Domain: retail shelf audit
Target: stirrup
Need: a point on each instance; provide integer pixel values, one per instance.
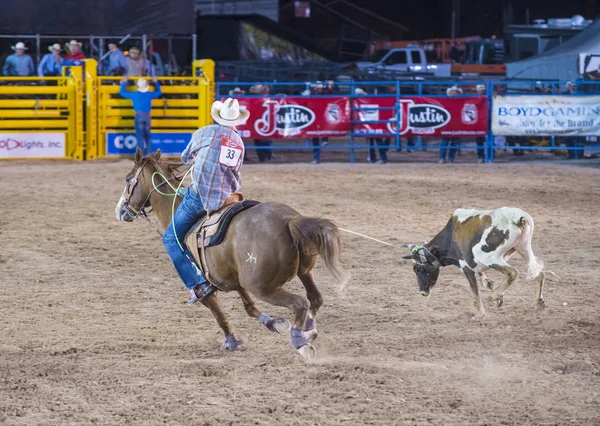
(200, 291)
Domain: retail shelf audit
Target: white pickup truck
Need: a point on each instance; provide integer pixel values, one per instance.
(405, 59)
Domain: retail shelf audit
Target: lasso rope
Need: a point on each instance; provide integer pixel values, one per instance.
(369, 238)
(177, 193)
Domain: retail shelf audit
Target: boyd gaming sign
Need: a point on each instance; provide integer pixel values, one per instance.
(420, 116)
(298, 117)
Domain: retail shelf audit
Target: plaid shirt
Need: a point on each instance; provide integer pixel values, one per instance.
(218, 153)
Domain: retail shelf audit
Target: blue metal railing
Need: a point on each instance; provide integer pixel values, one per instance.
(397, 89)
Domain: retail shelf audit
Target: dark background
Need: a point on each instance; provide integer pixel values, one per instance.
(432, 18)
(99, 17)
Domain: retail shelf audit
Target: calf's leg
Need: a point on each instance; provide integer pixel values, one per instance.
(510, 275)
(470, 274)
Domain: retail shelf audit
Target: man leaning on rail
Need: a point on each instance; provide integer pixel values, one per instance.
(142, 105)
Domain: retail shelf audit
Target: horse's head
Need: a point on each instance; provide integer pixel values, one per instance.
(138, 184)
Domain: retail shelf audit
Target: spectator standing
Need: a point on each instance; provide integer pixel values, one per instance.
(447, 142)
(18, 64)
(481, 89)
(51, 63)
(116, 62)
(142, 105)
(573, 142)
(74, 51)
(137, 66)
(318, 89)
(264, 151)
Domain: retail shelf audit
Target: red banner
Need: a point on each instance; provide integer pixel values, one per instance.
(295, 117)
(421, 116)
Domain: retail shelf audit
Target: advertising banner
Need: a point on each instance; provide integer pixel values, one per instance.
(295, 117)
(32, 145)
(126, 143)
(567, 115)
(423, 116)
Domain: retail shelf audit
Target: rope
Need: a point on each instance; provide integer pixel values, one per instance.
(175, 195)
(173, 205)
(369, 238)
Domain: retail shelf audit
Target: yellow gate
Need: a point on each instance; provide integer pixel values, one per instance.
(183, 108)
(75, 115)
(38, 116)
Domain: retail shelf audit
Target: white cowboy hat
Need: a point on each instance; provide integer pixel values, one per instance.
(306, 93)
(54, 47)
(20, 46)
(480, 87)
(454, 89)
(236, 91)
(75, 43)
(142, 85)
(359, 91)
(570, 83)
(228, 113)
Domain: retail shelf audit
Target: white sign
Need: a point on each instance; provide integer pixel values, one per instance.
(32, 145)
(567, 115)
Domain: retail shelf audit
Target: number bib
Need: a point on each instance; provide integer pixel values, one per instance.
(230, 153)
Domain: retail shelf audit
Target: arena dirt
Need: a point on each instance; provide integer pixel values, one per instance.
(94, 328)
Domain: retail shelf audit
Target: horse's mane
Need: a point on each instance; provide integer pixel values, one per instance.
(170, 169)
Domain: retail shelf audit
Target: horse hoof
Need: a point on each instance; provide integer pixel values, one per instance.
(280, 325)
(477, 317)
(231, 344)
(311, 335)
(308, 352)
(541, 305)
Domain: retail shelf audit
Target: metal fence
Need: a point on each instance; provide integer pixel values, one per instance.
(397, 90)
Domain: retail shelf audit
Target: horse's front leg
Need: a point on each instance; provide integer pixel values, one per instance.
(231, 342)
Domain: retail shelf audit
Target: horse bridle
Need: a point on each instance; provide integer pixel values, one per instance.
(131, 184)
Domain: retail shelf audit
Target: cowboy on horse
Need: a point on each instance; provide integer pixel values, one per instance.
(217, 153)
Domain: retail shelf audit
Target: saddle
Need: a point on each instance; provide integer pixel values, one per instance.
(211, 229)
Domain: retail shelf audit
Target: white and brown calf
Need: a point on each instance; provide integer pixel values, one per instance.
(476, 241)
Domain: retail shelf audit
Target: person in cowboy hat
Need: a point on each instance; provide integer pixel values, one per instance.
(74, 51)
(51, 63)
(142, 105)
(18, 64)
(217, 153)
(236, 92)
(115, 62)
(137, 65)
(450, 92)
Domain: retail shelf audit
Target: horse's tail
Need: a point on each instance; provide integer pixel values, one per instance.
(323, 237)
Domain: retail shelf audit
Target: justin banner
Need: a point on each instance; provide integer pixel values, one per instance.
(567, 115)
(423, 116)
(295, 117)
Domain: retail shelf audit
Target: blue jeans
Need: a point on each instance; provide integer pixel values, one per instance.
(142, 131)
(382, 144)
(316, 143)
(451, 151)
(185, 217)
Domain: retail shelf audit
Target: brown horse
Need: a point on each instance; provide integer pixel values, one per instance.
(265, 247)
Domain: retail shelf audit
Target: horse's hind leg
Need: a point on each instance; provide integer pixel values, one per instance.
(316, 301)
(299, 306)
(276, 325)
(231, 342)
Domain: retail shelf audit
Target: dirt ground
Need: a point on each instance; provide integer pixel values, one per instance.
(94, 328)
